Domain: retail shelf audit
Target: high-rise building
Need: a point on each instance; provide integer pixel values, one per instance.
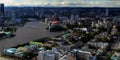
(106, 12)
(1, 13)
(2, 9)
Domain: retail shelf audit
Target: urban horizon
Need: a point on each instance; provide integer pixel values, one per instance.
(60, 30)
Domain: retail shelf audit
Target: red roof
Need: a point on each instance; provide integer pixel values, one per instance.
(55, 22)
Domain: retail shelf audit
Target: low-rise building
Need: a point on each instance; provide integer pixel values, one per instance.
(115, 56)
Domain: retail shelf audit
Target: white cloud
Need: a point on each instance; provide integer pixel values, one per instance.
(78, 3)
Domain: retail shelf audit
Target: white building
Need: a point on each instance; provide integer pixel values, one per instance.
(93, 24)
(57, 55)
(76, 17)
(46, 20)
(107, 24)
(114, 30)
(49, 56)
(72, 19)
(41, 55)
(97, 25)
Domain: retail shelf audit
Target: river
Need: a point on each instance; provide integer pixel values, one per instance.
(30, 31)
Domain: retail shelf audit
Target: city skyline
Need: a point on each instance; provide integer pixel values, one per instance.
(63, 3)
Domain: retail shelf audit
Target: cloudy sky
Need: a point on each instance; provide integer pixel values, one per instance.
(63, 3)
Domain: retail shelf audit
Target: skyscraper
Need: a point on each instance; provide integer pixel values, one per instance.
(2, 9)
(106, 12)
(2, 15)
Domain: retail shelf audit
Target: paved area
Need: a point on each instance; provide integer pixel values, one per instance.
(31, 31)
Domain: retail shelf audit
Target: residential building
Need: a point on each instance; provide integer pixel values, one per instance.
(114, 30)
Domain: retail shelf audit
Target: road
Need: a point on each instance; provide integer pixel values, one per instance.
(29, 32)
